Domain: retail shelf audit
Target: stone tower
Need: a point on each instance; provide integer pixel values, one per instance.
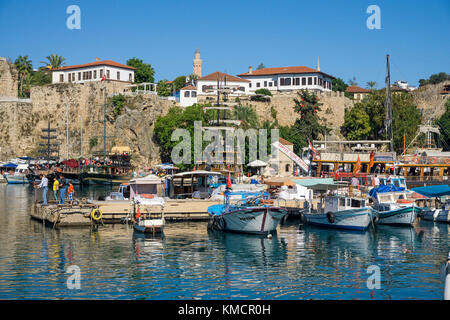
(197, 64)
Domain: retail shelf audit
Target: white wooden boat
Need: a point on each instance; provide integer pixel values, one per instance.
(438, 215)
(394, 208)
(19, 176)
(342, 212)
(250, 215)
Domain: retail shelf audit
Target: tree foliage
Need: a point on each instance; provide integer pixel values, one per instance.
(260, 66)
(339, 85)
(144, 71)
(54, 61)
(179, 83)
(309, 125)
(264, 91)
(24, 68)
(247, 115)
(366, 119)
(163, 88)
(444, 126)
(435, 79)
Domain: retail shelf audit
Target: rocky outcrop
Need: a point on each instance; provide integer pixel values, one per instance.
(8, 79)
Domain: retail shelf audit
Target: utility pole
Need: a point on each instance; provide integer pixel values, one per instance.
(388, 105)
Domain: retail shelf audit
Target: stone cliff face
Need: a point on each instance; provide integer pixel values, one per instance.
(21, 122)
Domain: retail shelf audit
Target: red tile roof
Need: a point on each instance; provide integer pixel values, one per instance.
(221, 77)
(282, 70)
(356, 89)
(285, 142)
(96, 63)
(189, 88)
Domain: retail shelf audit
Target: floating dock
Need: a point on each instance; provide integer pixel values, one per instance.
(79, 214)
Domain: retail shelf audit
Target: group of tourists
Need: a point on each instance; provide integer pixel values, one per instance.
(59, 184)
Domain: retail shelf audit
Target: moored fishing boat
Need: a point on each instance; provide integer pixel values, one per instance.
(392, 205)
(341, 212)
(20, 175)
(251, 214)
(441, 214)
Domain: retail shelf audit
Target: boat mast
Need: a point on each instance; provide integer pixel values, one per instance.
(388, 105)
(104, 123)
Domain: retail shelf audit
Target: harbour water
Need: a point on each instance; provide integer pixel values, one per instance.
(190, 262)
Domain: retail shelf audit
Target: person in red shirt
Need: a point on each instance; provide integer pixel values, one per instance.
(70, 192)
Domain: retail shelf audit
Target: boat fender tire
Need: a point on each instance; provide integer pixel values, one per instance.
(96, 214)
(330, 217)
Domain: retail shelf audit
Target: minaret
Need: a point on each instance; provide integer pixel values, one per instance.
(318, 64)
(197, 64)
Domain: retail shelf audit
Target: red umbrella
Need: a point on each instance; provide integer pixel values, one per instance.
(229, 181)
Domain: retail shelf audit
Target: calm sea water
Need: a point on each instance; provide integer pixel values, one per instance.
(191, 263)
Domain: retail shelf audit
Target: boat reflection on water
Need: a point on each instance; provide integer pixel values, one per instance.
(146, 244)
(256, 249)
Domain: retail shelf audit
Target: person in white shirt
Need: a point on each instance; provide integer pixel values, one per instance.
(377, 181)
(44, 186)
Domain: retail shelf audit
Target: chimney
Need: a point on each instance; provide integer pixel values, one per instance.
(250, 70)
(97, 59)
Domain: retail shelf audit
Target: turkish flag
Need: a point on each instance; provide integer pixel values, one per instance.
(229, 181)
(104, 77)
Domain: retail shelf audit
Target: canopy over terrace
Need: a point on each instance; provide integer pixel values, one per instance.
(150, 184)
(320, 184)
(279, 181)
(433, 191)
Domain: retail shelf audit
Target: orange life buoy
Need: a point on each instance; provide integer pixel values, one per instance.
(433, 160)
(109, 163)
(92, 162)
(98, 164)
(447, 160)
(47, 166)
(415, 159)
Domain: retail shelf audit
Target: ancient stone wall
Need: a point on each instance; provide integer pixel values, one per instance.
(8, 79)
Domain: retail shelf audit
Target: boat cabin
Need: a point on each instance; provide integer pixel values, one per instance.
(339, 203)
(192, 184)
(397, 181)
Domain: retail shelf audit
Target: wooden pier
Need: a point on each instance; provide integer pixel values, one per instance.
(112, 212)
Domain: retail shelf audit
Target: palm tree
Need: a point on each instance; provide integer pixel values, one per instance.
(247, 115)
(54, 61)
(24, 68)
(371, 85)
(193, 78)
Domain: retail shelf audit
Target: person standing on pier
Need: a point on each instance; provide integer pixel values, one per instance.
(62, 188)
(44, 186)
(70, 193)
(55, 188)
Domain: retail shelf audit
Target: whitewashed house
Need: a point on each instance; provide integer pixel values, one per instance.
(94, 71)
(207, 85)
(187, 96)
(288, 79)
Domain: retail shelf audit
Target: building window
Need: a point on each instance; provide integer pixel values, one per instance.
(118, 75)
(101, 73)
(250, 85)
(258, 84)
(285, 81)
(73, 76)
(130, 77)
(297, 81)
(320, 81)
(186, 94)
(265, 83)
(95, 74)
(193, 94)
(270, 84)
(304, 81)
(309, 81)
(107, 74)
(61, 78)
(275, 83)
(287, 168)
(315, 80)
(79, 76)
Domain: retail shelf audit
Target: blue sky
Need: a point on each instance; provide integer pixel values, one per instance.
(233, 35)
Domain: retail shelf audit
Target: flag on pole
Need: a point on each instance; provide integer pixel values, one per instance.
(104, 78)
(357, 166)
(311, 147)
(371, 160)
(229, 181)
(336, 172)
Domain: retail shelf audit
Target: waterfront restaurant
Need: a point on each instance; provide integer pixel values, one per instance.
(94, 71)
(288, 79)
